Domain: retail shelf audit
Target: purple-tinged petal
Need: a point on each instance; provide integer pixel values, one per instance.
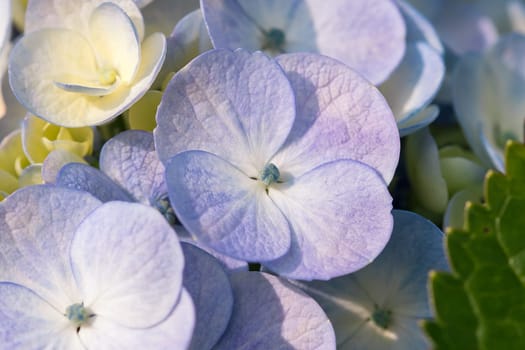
(130, 160)
(464, 28)
(207, 283)
(29, 322)
(369, 36)
(86, 178)
(339, 115)
(340, 216)
(225, 209)
(55, 161)
(419, 29)
(415, 81)
(395, 283)
(37, 224)
(270, 313)
(128, 264)
(237, 105)
(175, 332)
(418, 121)
(228, 263)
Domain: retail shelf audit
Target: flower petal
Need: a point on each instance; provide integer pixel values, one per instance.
(415, 81)
(269, 313)
(369, 36)
(115, 41)
(239, 106)
(128, 264)
(29, 322)
(86, 178)
(339, 115)
(396, 281)
(340, 216)
(36, 227)
(130, 160)
(225, 209)
(74, 15)
(55, 161)
(174, 332)
(207, 282)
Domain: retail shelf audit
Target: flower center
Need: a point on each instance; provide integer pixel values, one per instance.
(107, 76)
(274, 40)
(382, 318)
(162, 204)
(270, 174)
(78, 314)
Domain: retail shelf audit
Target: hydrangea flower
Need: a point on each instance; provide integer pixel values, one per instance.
(79, 274)
(368, 35)
(130, 171)
(283, 162)
(257, 310)
(489, 98)
(379, 306)
(83, 64)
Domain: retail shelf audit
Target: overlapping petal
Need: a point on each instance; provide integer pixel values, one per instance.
(237, 105)
(224, 208)
(340, 218)
(395, 282)
(207, 282)
(86, 178)
(29, 322)
(339, 115)
(36, 227)
(128, 271)
(369, 36)
(269, 313)
(174, 332)
(130, 160)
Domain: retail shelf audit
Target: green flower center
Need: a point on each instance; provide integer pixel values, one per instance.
(382, 318)
(78, 314)
(274, 40)
(270, 174)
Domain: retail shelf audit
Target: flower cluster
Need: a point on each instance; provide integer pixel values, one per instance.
(242, 174)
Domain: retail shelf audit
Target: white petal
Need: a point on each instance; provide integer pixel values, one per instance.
(29, 322)
(173, 333)
(114, 41)
(36, 228)
(128, 264)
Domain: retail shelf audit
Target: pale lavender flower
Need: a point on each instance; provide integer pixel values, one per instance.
(79, 274)
(283, 162)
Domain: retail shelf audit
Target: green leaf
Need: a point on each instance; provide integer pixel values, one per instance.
(481, 303)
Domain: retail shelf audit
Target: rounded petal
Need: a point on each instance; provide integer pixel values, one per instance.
(206, 281)
(395, 282)
(239, 106)
(418, 120)
(86, 178)
(55, 161)
(340, 217)
(74, 15)
(175, 332)
(29, 322)
(37, 224)
(225, 209)
(418, 26)
(424, 171)
(270, 313)
(415, 81)
(114, 40)
(130, 160)
(128, 264)
(339, 115)
(369, 36)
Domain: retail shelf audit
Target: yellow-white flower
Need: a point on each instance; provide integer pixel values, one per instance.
(83, 63)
